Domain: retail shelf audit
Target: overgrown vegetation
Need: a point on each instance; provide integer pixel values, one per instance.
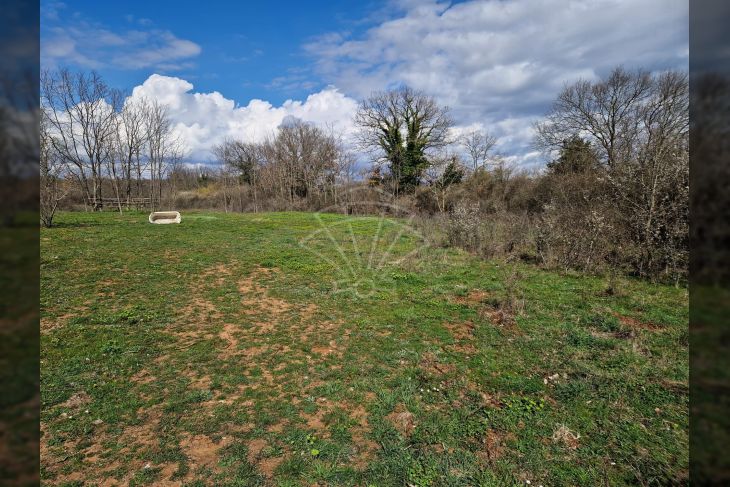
(613, 197)
(221, 352)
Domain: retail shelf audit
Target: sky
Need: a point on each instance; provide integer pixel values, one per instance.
(237, 69)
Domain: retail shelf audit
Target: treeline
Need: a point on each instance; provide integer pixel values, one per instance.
(612, 198)
(301, 166)
(92, 135)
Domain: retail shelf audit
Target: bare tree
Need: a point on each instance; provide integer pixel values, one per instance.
(243, 158)
(131, 137)
(639, 124)
(654, 184)
(478, 146)
(114, 163)
(51, 175)
(401, 126)
(162, 148)
(82, 123)
(607, 111)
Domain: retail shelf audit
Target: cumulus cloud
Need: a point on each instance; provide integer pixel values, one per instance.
(202, 120)
(91, 45)
(501, 63)
(498, 64)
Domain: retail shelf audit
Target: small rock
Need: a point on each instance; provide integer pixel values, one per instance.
(97, 422)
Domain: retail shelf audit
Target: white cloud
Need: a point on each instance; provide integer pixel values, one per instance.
(205, 119)
(501, 63)
(91, 45)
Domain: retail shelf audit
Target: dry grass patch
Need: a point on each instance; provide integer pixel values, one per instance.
(403, 420)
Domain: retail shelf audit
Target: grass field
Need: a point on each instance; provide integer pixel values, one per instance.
(286, 349)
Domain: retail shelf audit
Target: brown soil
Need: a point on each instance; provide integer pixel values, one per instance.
(462, 330)
(143, 377)
(365, 449)
(76, 401)
(430, 364)
(475, 296)
(499, 317)
(634, 323)
(267, 466)
(464, 348)
(200, 320)
(402, 420)
(202, 451)
(316, 423)
(492, 446)
(228, 335)
(255, 447)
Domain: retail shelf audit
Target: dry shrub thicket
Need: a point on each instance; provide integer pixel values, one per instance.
(613, 198)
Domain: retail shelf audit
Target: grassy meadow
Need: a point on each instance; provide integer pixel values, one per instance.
(299, 349)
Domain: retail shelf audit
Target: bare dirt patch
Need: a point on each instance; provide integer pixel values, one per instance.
(403, 420)
(316, 422)
(499, 316)
(145, 434)
(308, 311)
(475, 296)
(566, 437)
(431, 365)
(493, 445)
(329, 349)
(255, 447)
(365, 449)
(143, 377)
(197, 381)
(228, 335)
(464, 348)
(217, 274)
(462, 330)
(202, 451)
(267, 466)
(77, 400)
(46, 323)
(634, 323)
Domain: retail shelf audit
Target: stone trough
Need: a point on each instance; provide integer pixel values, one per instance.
(162, 217)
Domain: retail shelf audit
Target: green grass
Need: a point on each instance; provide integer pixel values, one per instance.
(222, 352)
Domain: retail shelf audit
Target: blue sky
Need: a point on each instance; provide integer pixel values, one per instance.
(237, 69)
(247, 49)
